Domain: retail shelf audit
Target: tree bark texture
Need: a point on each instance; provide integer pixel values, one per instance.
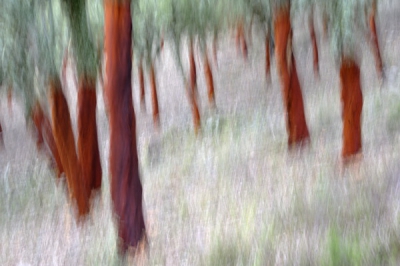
(65, 142)
(314, 46)
(141, 86)
(292, 96)
(154, 97)
(209, 80)
(193, 89)
(267, 58)
(88, 145)
(352, 103)
(126, 187)
(375, 45)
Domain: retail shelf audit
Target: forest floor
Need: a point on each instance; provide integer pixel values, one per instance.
(233, 195)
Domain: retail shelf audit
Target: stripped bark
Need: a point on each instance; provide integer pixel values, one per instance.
(292, 96)
(126, 187)
(64, 138)
(352, 103)
(88, 146)
(154, 98)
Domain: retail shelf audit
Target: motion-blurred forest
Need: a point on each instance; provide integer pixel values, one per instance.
(199, 132)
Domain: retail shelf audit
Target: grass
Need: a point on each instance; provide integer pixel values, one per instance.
(233, 196)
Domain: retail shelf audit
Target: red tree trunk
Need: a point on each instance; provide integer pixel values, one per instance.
(314, 46)
(352, 102)
(292, 97)
(375, 45)
(141, 86)
(154, 98)
(209, 80)
(88, 146)
(64, 138)
(44, 133)
(126, 187)
(193, 89)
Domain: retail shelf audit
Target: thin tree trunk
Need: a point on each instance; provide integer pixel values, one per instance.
(88, 146)
(209, 80)
(267, 58)
(64, 138)
(126, 187)
(141, 86)
(154, 98)
(193, 89)
(44, 134)
(375, 44)
(314, 44)
(352, 102)
(292, 96)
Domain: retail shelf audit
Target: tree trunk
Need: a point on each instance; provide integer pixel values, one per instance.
(267, 58)
(88, 146)
(193, 89)
(126, 187)
(64, 138)
(375, 45)
(154, 98)
(44, 133)
(141, 86)
(352, 102)
(209, 80)
(314, 45)
(292, 96)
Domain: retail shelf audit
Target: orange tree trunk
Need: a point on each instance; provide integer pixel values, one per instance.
(154, 98)
(65, 142)
(126, 187)
(292, 97)
(375, 44)
(88, 146)
(141, 86)
(352, 102)
(209, 80)
(44, 133)
(193, 89)
(314, 47)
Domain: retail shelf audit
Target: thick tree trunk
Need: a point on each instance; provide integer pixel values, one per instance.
(88, 146)
(375, 45)
(193, 89)
(141, 87)
(126, 187)
(209, 80)
(64, 138)
(292, 97)
(44, 134)
(352, 102)
(314, 45)
(154, 98)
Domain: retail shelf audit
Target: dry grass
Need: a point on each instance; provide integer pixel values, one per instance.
(233, 196)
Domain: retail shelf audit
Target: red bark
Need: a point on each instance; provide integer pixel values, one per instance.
(88, 146)
(267, 58)
(375, 45)
(314, 47)
(352, 102)
(141, 86)
(209, 80)
(126, 187)
(64, 138)
(193, 89)
(154, 98)
(292, 96)
(45, 134)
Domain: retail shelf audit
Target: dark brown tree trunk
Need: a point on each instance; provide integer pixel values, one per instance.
(154, 98)
(352, 102)
(126, 187)
(88, 146)
(375, 44)
(141, 86)
(44, 133)
(193, 89)
(292, 96)
(314, 45)
(209, 80)
(64, 138)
